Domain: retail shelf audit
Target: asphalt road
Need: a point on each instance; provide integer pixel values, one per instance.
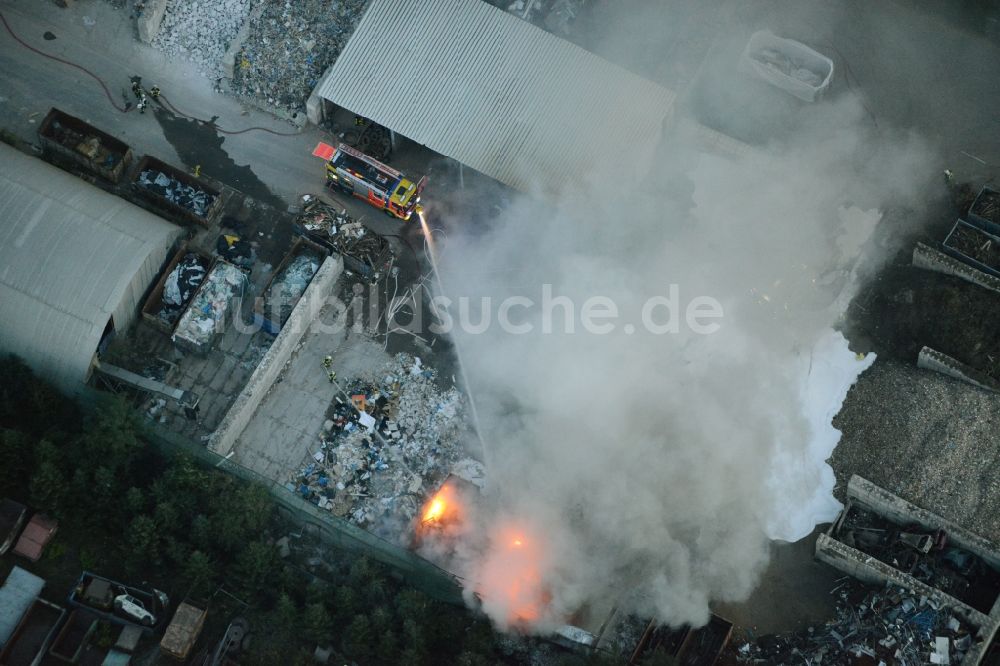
(101, 39)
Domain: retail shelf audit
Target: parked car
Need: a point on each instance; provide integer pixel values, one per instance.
(132, 607)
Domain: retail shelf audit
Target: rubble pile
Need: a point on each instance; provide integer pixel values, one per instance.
(180, 286)
(289, 46)
(201, 31)
(207, 312)
(289, 285)
(888, 625)
(927, 556)
(192, 198)
(384, 452)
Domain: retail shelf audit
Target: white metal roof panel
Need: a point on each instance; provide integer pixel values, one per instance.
(68, 253)
(494, 92)
(16, 595)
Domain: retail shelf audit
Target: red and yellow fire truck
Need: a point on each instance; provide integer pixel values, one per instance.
(353, 172)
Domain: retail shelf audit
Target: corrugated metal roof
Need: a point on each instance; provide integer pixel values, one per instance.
(16, 595)
(68, 253)
(494, 92)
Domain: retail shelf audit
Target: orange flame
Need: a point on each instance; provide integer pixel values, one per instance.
(442, 508)
(511, 580)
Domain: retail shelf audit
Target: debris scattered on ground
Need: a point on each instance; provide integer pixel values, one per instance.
(192, 198)
(364, 251)
(388, 448)
(207, 312)
(289, 46)
(925, 555)
(201, 31)
(890, 625)
(180, 286)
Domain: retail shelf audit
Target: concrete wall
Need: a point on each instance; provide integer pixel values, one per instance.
(870, 570)
(229, 58)
(306, 310)
(898, 510)
(866, 568)
(931, 359)
(926, 257)
(150, 20)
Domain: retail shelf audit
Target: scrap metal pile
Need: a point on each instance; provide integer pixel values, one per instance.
(289, 285)
(890, 625)
(180, 286)
(207, 312)
(288, 47)
(383, 452)
(926, 556)
(364, 251)
(192, 198)
(87, 145)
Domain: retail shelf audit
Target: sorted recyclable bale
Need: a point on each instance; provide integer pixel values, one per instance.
(205, 316)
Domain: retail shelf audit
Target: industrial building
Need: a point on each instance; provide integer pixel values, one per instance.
(496, 93)
(76, 262)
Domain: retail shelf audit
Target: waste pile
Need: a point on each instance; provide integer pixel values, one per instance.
(288, 286)
(192, 198)
(364, 251)
(201, 31)
(386, 447)
(987, 206)
(87, 145)
(890, 625)
(288, 47)
(778, 61)
(556, 16)
(927, 556)
(180, 286)
(206, 313)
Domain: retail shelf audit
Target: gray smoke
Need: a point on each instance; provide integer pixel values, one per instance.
(665, 463)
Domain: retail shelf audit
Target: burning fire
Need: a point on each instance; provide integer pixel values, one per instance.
(443, 508)
(510, 578)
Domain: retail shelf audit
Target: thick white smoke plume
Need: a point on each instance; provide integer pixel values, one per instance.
(666, 462)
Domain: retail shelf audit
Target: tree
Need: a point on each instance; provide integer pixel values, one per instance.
(358, 638)
(387, 648)
(141, 544)
(316, 623)
(48, 482)
(16, 460)
(198, 569)
(255, 566)
(284, 614)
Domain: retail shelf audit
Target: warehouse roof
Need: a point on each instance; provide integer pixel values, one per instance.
(494, 92)
(69, 253)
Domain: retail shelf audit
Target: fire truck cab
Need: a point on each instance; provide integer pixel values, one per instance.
(355, 173)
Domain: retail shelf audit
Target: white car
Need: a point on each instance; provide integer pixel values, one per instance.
(133, 608)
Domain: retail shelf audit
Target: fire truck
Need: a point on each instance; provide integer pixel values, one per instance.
(355, 173)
